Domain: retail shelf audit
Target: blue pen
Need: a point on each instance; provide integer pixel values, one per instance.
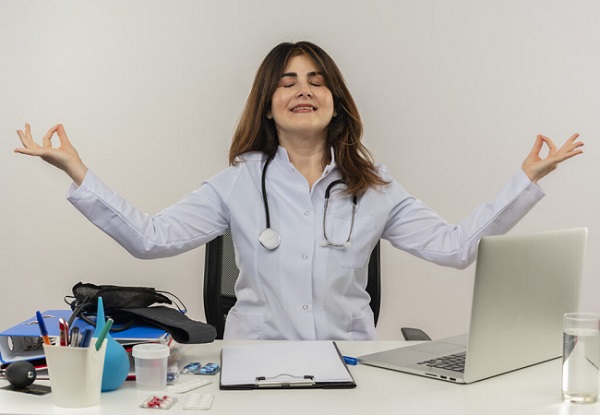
(43, 329)
(85, 336)
(351, 360)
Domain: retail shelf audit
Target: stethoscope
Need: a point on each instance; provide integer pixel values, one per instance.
(271, 239)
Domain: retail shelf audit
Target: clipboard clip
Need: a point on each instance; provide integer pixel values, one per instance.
(285, 380)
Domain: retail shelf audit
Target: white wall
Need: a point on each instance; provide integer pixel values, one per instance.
(452, 95)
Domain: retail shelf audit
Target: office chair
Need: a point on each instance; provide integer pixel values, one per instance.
(221, 273)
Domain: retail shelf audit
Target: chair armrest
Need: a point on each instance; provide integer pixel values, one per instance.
(410, 333)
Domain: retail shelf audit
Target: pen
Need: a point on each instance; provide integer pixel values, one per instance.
(104, 332)
(43, 330)
(350, 360)
(85, 336)
(75, 337)
(63, 328)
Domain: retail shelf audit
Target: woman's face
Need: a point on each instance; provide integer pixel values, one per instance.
(302, 104)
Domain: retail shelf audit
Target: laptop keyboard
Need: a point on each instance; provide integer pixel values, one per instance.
(454, 362)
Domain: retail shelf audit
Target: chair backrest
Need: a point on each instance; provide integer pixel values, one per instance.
(221, 273)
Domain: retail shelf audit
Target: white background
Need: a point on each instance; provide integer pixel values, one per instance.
(452, 94)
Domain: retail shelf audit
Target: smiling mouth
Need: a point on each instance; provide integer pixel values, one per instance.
(303, 108)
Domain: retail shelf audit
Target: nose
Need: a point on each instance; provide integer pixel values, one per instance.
(304, 91)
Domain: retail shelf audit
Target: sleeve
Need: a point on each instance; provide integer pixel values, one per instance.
(191, 222)
(417, 229)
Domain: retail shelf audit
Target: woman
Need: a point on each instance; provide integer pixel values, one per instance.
(303, 262)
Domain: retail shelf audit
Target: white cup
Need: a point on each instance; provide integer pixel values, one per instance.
(75, 374)
(151, 365)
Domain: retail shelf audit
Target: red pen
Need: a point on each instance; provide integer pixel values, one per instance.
(63, 328)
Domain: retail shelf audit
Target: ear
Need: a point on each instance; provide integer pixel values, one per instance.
(269, 115)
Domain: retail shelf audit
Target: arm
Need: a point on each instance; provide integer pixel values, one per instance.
(417, 229)
(65, 157)
(194, 220)
(187, 224)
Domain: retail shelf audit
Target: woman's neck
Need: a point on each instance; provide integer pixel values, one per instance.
(307, 156)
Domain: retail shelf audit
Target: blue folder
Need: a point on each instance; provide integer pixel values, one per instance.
(22, 342)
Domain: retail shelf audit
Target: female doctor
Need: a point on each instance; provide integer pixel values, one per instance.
(305, 202)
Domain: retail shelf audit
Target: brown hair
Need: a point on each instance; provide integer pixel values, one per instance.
(255, 132)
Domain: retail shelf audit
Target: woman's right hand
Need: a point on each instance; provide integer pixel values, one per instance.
(65, 157)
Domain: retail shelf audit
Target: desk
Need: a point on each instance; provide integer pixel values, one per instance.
(531, 391)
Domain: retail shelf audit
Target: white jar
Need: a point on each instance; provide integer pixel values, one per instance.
(151, 365)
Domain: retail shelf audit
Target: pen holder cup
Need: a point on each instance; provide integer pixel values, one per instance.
(75, 374)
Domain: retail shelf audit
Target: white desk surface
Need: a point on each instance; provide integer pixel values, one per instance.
(534, 390)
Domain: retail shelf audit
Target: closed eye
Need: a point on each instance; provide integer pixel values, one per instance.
(316, 79)
(288, 79)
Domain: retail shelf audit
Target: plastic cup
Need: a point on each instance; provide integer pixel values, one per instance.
(75, 374)
(151, 365)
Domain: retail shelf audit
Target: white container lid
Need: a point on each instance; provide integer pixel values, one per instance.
(150, 351)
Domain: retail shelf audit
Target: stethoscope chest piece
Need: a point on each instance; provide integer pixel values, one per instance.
(269, 238)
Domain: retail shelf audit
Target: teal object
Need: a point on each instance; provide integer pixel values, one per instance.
(116, 360)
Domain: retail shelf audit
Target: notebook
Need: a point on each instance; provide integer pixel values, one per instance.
(523, 286)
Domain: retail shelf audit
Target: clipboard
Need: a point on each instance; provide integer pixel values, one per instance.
(289, 364)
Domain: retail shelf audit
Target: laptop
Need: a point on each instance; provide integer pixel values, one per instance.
(524, 284)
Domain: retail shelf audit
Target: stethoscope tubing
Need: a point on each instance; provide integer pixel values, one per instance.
(271, 239)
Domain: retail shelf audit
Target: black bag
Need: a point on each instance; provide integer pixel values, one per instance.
(116, 297)
(132, 305)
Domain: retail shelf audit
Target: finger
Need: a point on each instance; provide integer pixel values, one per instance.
(574, 147)
(47, 140)
(573, 138)
(21, 134)
(62, 134)
(25, 135)
(29, 151)
(571, 144)
(571, 154)
(549, 142)
(30, 147)
(565, 154)
(25, 138)
(537, 146)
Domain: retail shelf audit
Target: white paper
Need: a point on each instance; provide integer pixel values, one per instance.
(243, 364)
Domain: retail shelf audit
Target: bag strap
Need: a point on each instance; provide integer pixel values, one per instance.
(179, 304)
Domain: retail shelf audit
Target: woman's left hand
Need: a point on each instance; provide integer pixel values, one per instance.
(536, 167)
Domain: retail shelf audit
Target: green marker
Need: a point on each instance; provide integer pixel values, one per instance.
(104, 333)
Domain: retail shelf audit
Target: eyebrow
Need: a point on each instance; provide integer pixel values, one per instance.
(295, 75)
